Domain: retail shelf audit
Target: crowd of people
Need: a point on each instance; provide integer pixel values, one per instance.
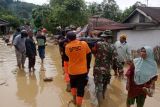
(25, 46)
(76, 58)
(76, 54)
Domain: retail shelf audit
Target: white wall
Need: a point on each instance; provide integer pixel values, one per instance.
(138, 39)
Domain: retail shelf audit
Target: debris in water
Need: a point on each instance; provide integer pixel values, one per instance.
(2, 82)
(48, 79)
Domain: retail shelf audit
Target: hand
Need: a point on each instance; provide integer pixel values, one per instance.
(63, 70)
(127, 86)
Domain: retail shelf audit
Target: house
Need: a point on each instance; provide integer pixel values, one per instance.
(3, 26)
(97, 24)
(103, 24)
(144, 29)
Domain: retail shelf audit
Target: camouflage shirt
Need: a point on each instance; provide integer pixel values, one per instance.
(104, 54)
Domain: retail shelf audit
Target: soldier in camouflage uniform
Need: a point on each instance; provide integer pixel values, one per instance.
(104, 52)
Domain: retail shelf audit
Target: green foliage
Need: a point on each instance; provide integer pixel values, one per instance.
(40, 16)
(22, 9)
(15, 12)
(129, 10)
(111, 10)
(53, 3)
(60, 13)
(5, 3)
(8, 16)
(68, 12)
(94, 9)
(107, 9)
(14, 22)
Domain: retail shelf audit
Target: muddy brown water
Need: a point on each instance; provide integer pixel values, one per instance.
(18, 88)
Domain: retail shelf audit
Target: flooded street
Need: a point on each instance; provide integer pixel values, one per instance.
(18, 88)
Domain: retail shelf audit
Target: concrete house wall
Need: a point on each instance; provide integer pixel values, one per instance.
(138, 39)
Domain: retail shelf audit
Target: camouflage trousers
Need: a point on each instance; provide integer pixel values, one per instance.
(117, 65)
(102, 77)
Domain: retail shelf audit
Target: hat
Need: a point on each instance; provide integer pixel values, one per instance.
(23, 31)
(44, 30)
(105, 35)
(71, 35)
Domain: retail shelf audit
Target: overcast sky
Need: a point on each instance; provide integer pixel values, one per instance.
(122, 3)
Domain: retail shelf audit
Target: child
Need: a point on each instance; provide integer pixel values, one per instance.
(141, 77)
(31, 50)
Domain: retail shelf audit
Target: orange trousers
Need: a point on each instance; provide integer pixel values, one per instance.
(66, 75)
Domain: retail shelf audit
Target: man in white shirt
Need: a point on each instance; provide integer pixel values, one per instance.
(124, 54)
(20, 48)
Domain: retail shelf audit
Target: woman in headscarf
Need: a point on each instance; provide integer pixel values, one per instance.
(141, 77)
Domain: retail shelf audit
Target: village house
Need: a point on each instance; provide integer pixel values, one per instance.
(102, 24)
(144, 29)
(3, 26)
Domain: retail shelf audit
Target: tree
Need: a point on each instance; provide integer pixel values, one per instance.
(53, 3)
(68, 12)
(129, 10)
(94, 9)
(40, 16)
(9, 1)
(111, 10)
(14, 21)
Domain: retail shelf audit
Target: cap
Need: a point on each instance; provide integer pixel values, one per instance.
(71, 35)
(105, 35)
(44, 30)
(23, 31)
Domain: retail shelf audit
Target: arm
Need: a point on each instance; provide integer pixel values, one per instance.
(44, 39)
(94, 49)
(13, 38)
(128, 53)
(127, 84)
(89, 56)
(15, 42)
(16, 47)
(88, 53)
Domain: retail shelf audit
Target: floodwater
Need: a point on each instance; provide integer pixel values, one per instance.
(18, 88)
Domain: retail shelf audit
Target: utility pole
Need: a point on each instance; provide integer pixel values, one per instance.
(147, 3)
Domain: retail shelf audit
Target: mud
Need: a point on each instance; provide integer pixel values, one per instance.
(19, 88)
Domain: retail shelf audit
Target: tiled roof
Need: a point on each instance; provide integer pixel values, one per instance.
(96, 22)
(106, 24)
